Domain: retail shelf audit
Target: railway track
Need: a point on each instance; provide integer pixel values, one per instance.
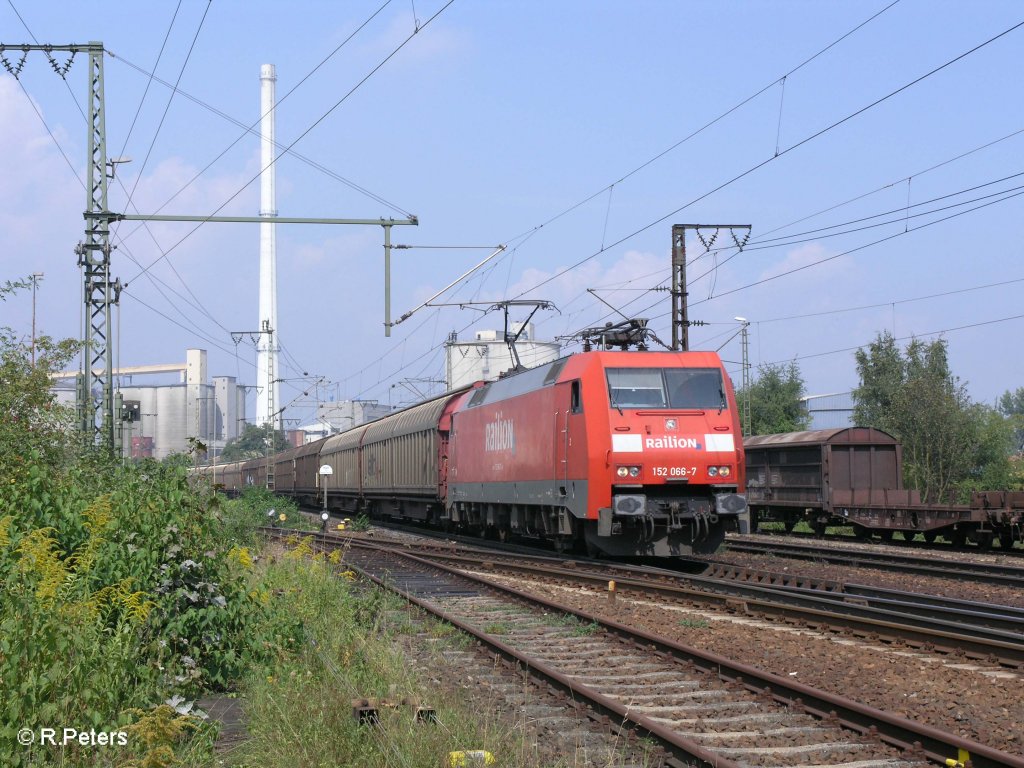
(891, 542)
(924, 623)
(967, 612)
(982, 632)
(702, 708)
(986, 573)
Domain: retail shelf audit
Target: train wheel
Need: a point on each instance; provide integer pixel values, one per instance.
(930, 536)
(985, 540)
(958, 538)
(1006, 540)
(909, 535)
(789, 525)
(818, 528)
(861, 532)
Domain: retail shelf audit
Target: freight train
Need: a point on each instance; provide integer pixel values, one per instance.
(617, 452)
(854, 477)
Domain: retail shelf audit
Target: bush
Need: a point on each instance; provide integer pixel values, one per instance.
(120, 591)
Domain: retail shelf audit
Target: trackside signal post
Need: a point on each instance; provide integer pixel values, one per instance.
(326, 470)
(680, 319)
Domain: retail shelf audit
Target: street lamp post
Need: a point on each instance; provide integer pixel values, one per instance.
(36, 276)
(745, 343)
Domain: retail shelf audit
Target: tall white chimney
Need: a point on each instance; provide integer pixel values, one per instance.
(268, 401)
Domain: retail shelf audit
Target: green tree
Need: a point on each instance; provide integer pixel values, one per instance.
(775, 400)
(252, 443)
(949, 443)
(1011, 405)
(31, 419)
(993, 467)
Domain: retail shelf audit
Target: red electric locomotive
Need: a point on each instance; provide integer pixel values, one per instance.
(630, 453)
(625, 453)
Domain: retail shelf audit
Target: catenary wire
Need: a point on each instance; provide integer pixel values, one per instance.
(307, 131)
(149, 82)
(783, 153)
(999, 284)
(828, 258)
(901, 219)
(979, 324)
(170, 99)
(755, 243)
(198, 304)
(892, 184)
(251, 129)
(704, 127)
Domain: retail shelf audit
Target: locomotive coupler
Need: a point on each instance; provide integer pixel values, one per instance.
(675, 523)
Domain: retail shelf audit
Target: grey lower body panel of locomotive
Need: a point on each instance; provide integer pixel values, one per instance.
(638, 524)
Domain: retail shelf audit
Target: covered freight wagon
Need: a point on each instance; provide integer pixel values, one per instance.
(817, 475)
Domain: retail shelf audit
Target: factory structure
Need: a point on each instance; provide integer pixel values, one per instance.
(161, 419)
(488, 356)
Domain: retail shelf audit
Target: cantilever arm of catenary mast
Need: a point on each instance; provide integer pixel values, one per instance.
(460, 278)
(262, 219)
(385, 223)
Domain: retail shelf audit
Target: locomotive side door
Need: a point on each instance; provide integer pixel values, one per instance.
(569, 434)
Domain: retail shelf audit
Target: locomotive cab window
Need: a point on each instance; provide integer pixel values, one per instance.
(575, 398)
(688, 388)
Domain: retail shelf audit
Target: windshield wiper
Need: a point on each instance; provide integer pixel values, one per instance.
(617, 407)
(721, 402)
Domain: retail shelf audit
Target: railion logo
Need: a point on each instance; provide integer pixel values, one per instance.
(670, 441)
(500, 435)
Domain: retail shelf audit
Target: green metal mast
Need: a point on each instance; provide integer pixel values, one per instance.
(97, 407)
(95, 395)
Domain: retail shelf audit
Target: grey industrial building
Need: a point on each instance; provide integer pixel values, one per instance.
(164, 416)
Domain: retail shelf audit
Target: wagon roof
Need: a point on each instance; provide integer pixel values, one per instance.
(844, 435)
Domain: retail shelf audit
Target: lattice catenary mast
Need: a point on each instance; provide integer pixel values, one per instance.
(95, 386)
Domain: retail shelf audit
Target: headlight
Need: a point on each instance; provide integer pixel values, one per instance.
(712, 471)
(724, 471)
(634, 471)
(622, 471)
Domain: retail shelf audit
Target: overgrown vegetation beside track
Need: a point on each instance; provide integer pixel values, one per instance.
(300, 710)
(120, 591)
(126, 593)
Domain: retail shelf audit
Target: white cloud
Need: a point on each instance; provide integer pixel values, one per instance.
(812, 259)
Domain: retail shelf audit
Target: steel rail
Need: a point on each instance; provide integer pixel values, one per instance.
(1006, 617)
(685, 751)
(915, 738)
(931, 625)
(983, 643)
(989, 573)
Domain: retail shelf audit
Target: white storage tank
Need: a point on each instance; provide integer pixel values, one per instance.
(487, 357)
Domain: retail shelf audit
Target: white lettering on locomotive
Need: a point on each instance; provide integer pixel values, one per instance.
(500, 435)
(671, 441)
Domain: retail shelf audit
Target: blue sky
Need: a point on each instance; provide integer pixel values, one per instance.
(499, 117)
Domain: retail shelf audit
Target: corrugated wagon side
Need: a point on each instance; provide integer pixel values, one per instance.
(821, 475)
(400, 462)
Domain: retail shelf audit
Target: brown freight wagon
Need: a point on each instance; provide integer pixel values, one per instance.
(853, 476)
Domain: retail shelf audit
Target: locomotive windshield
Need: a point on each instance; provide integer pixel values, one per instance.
(688, 388)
